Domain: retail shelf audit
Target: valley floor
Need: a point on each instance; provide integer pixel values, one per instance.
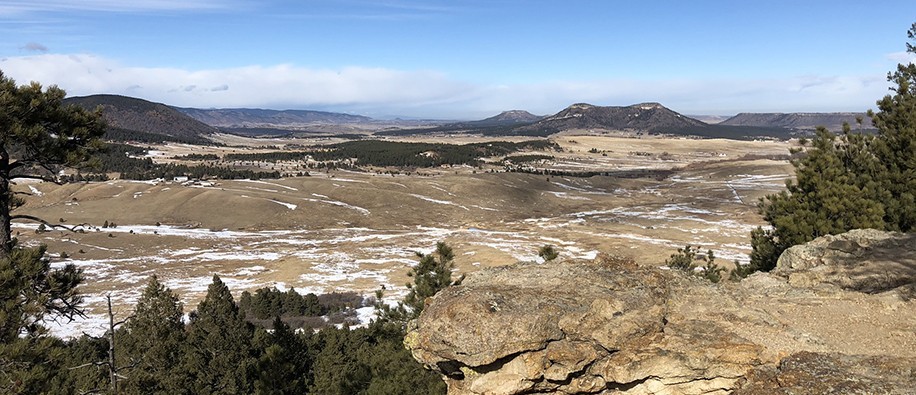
(360, 231)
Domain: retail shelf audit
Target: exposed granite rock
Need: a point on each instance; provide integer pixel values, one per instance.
(864, 260)
(578, 328)
(807, 373)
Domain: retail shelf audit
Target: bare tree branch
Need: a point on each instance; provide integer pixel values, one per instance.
(46, 223)
(93, 337)
(124, 321)
(88, 364)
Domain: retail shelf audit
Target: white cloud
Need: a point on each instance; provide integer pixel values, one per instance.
(379, 91)
(23, 7)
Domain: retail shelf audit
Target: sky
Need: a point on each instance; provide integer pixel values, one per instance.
(463, 59)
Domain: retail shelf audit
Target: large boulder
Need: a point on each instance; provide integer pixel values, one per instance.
(574, 328)
(864, 260)
(581, 328)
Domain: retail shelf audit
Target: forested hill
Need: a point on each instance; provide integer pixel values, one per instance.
(254, 117)
(650, 118)
(644, 117)
(141, 120)
(833, 121)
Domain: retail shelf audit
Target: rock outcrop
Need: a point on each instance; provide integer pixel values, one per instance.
(579, 328)
(864, 260)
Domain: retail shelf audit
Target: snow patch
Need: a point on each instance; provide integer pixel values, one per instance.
(445, 202)
(288, 205)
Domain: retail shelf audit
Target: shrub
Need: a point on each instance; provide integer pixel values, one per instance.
(548, 252)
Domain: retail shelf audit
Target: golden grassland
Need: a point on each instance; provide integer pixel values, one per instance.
(347, 230)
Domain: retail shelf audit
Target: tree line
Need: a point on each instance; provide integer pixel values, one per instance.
(217, 351)
(122, 159)
(398, 154)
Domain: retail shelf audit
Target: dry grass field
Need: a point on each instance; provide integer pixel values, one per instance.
(347, 230)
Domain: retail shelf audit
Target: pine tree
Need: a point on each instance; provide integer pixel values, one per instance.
(284, 364)
(219, 357)
(848, 182)
(30, 292)
(896, 145)
(432, 274)
(152, 341)
(38, 137)
(337, 369)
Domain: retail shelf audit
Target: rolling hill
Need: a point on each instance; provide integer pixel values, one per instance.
(508, 118)
(141, 120)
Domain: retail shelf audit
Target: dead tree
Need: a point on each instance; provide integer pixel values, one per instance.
(114, 372)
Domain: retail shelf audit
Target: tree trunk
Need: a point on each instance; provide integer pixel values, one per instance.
(6, 197)
(112, 371)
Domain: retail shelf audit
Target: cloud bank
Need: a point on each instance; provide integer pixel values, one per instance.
(381, 92)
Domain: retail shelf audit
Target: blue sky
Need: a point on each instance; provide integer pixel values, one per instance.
(462, 59)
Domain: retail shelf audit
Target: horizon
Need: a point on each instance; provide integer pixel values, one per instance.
(476, 59)
(412, 118)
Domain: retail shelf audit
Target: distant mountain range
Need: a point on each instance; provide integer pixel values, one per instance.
(800, 120)
(258, 118)
(140, 120)
(652, 118)
(135, 119)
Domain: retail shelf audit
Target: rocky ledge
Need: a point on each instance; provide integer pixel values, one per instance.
(587, 328)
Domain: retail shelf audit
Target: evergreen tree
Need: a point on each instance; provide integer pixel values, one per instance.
(31, 292)
(153, 341)
(432, 274)
(896, 145)
(284, 364)
(38, 136)
(34, 365)
(393, 369)
(219, 358)
(80, 371)
(370, 361)
(337, 369)
(848, 182)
